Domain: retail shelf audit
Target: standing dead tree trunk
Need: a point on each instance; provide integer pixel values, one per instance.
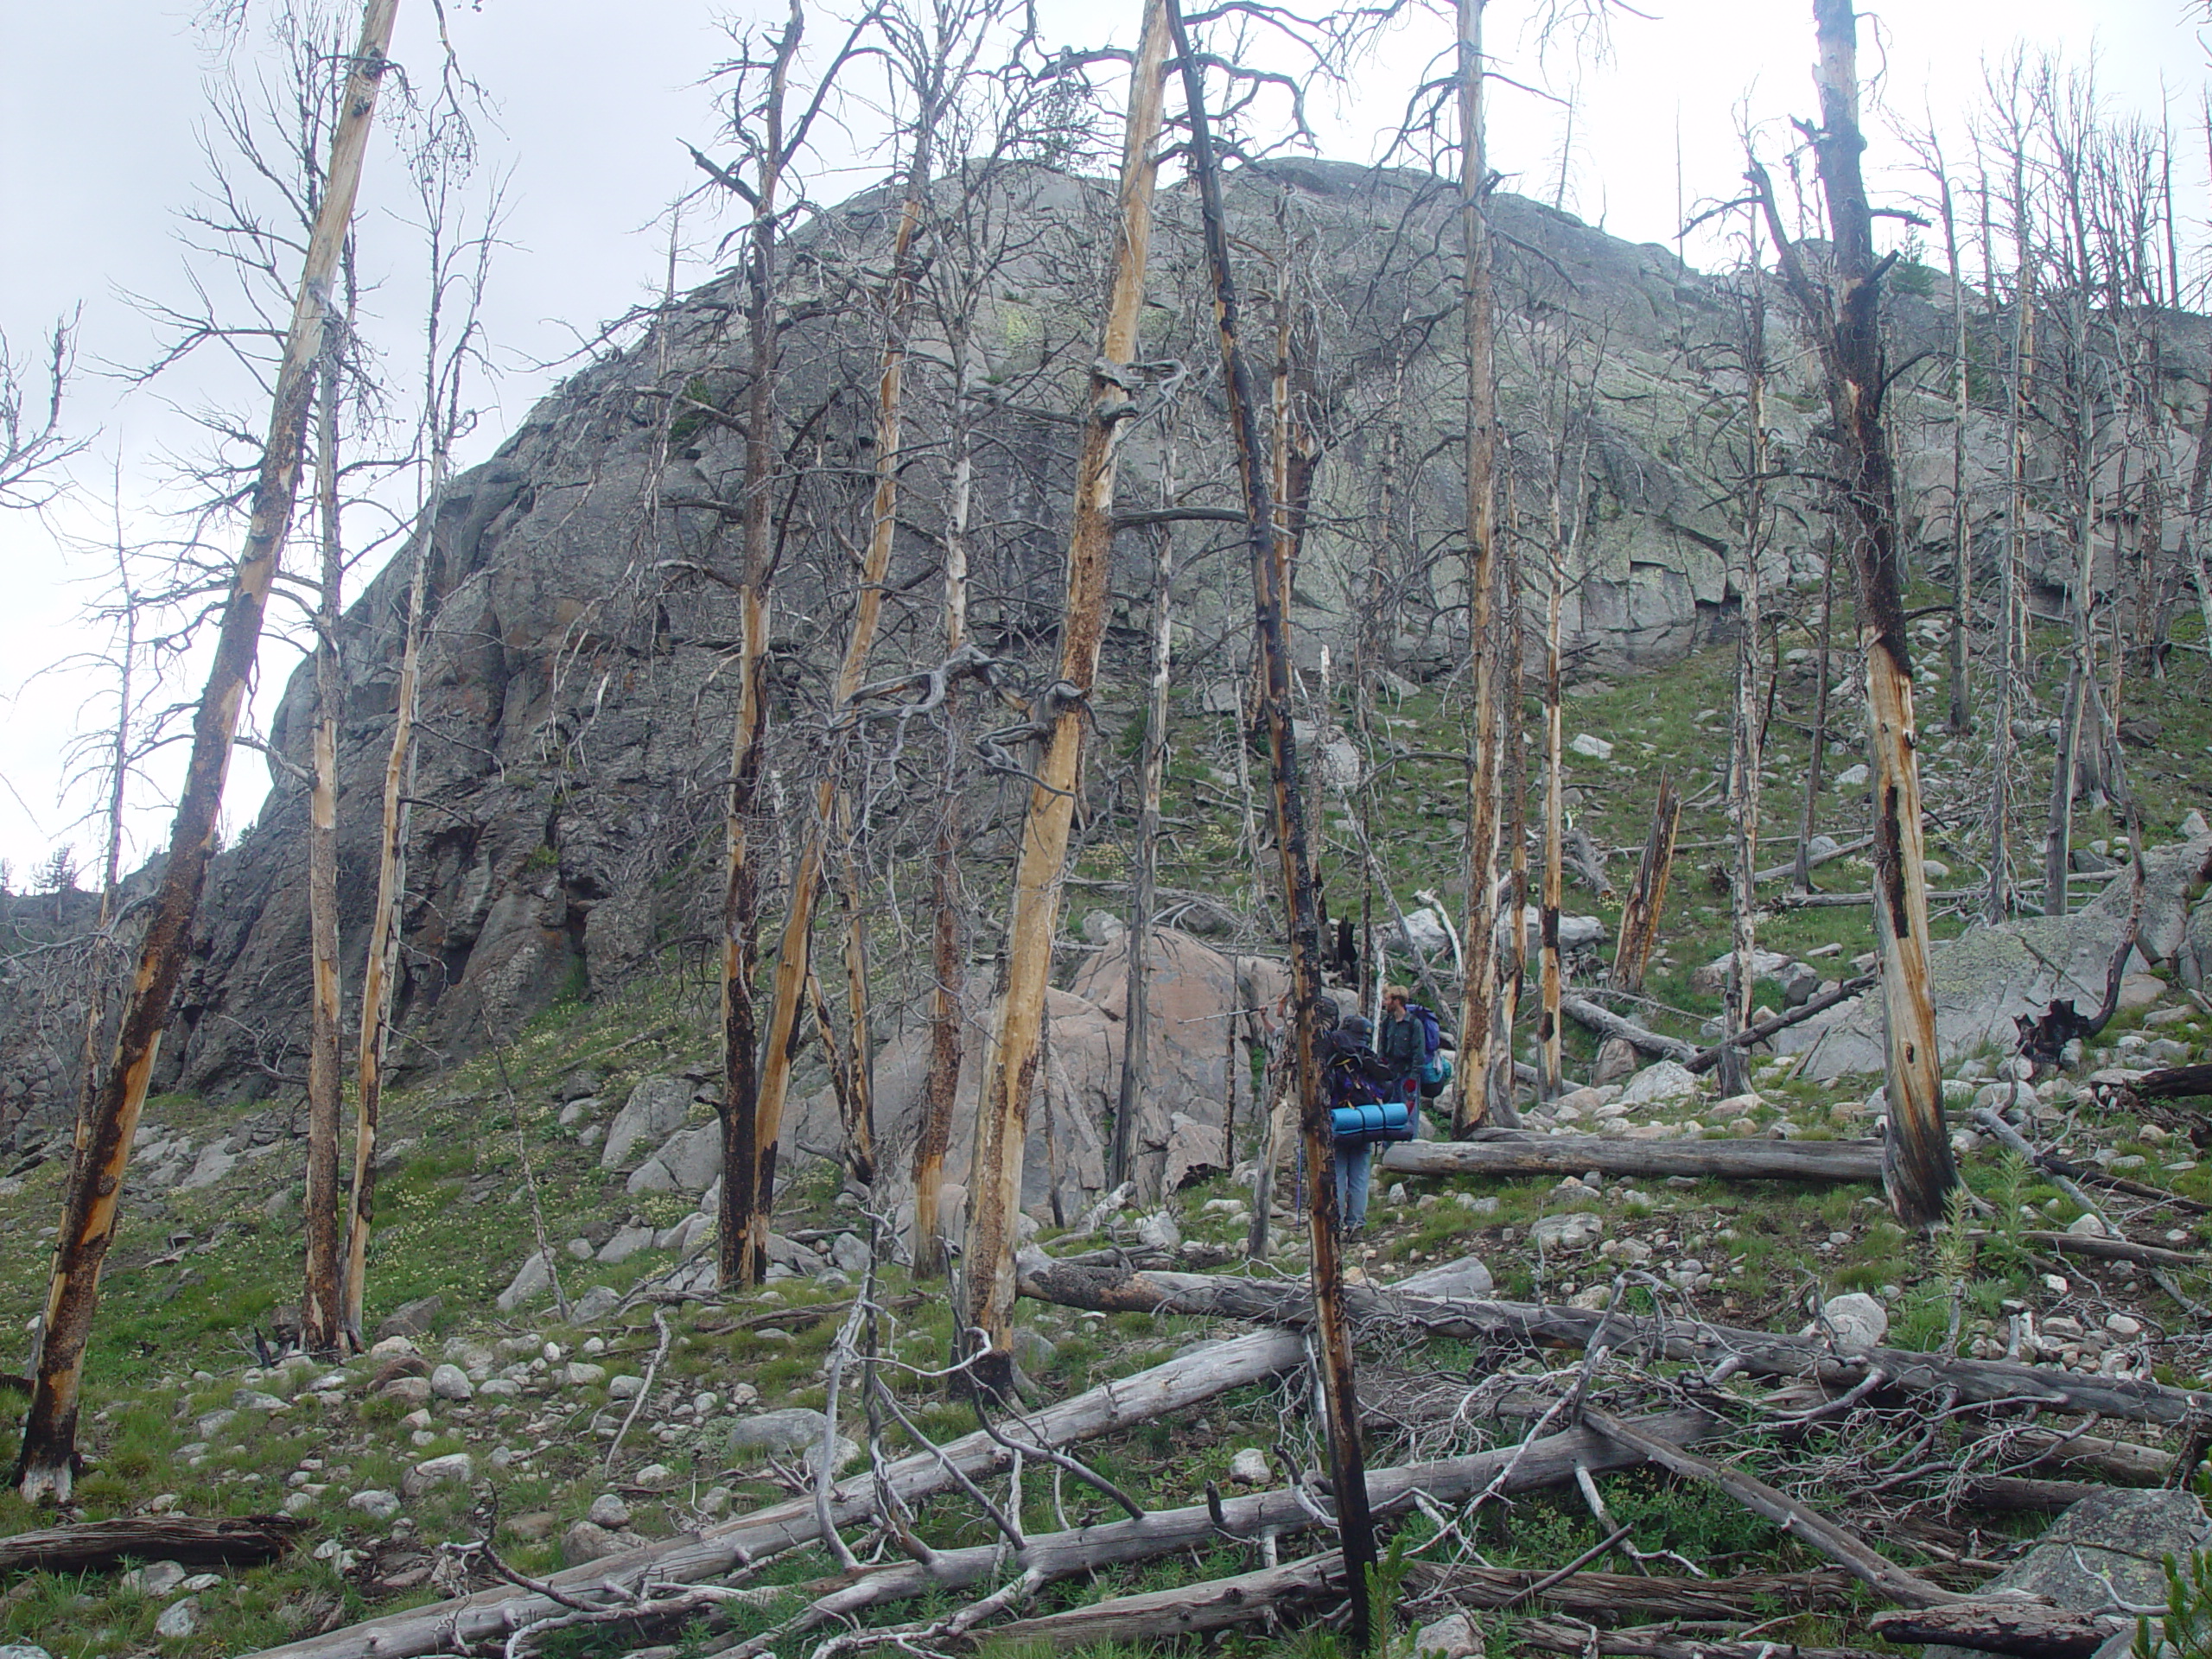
(1136, 1039)
(45, 1467)
(1801, 870)
(321, 1309)
(1647, 896)
(1478, 1051)
(1744, 758)
(1269, 596)
(1846, 331)
(780, 1047)
(1003, 1130)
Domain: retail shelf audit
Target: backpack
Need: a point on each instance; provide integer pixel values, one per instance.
(1359, 1114)
(1435, 1065)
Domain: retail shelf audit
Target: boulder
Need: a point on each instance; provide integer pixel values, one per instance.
(411, 1318)
(1575, 1230)
(454, 1468)
(1451, 1637)
(1616, 1058)
(1663, 1083)
(628, 1240)
(794, 1431)
(1857, 1319)
(155, 1579)
(533, 1281)
(688, 1161)
(1589, 747)
(1249, 1467)
(451, 1382)
(656, 1110)
(585, 1543)
(595, 1305)
(178, 1620)
(1987, 976)
(1575, 932)
(2114, 1541)
(608, 1510)
(376, 1504)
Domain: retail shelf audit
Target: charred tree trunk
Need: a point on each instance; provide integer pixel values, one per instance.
(1550, 1036)
(45, 1465)
(780, 1047)
(1002, 1129)
(1648, 895)
(749, 1161)
(1347, 1464)
(1479, 324)
(1136, 1040)
(1848, 337)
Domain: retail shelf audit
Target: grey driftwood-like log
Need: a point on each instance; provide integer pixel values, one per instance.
(1165, 1389)
(1570, 1154)
(1053, 1556)
(2100, 1248)
(1608, 1595)
(236, 1541)
(1546, 1635)
(1606, 1023)
(1757, 1353)
(1841, 1545)
(1996, 1626)
(1272, 1595)
(2027, 1492)
(1814, 861)
(2124, 1463)
(1759, 1030)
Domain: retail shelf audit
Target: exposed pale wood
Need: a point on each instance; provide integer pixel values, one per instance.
(1198, 1376)
(2099, 1248)
(1611, 1154)
(1995, 1626)
(1844, 318)
(1543, 1636)
(1270, 604)
(1478, 328)
(45, 1466)
(1513, 1469)
(2121, 1462)
(93, 1545)
(1838, 1544)
(1647, 895)
(2027, 1492)
(1606, 1023)
(1758, 1353)
(1009, 1077)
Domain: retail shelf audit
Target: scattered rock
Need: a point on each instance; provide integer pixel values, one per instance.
(411, 1318)
(1578, 1230)
(1853, 777)
(625, 1387)
(793, 1430)
(178, 1620)
(451, 1382)
(1033, 1350)
(1448, 1638)
(1249, 1467)
(535, 1280)
(1616, 1058)
(585, 1543)
(657, 1476)
(848, 1252)
(582, 1374)
(1857, 1318)
(155, 1579)
(254, 1400)
(655, 1110)
(1158, 1231)
(608, 1510)
(628, 1240)
(1464, 1278)
(1589, 747)
(594, 1304)
(2088, 1226)
(453, 1466)
(1663, 1083)
(377, 1506)
(409, 1391)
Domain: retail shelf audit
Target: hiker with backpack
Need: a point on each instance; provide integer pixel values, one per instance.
(1361, 1112)
(1412, 1044)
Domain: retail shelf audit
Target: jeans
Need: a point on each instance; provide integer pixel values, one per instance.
(1353, 1161)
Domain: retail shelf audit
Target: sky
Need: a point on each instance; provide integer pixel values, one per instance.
(102, 103)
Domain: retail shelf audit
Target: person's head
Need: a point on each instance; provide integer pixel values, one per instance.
(1394, 998)
(1357, 1029)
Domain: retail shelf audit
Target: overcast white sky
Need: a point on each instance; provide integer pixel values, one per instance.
(101, 99)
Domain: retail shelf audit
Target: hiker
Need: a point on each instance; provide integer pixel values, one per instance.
(1414, 1047)
(1361, 1113)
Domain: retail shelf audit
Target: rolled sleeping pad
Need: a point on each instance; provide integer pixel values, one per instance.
(1379, 1117)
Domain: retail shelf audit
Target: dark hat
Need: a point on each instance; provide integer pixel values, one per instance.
(1358, 1025)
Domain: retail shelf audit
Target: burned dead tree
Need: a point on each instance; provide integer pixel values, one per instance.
(1845, 322)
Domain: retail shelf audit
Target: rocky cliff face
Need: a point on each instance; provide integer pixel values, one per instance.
(575, 716)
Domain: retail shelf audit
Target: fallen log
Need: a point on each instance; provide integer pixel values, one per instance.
(2173, 1082)
(1606, 1023)
(1759, 1030)
(2103, 1247)
(1758, 1353)
(93, 1545)
(1608, 1595)
(1815, 860)
(438, 1627)
(2121, 1462)
(1280, 1595)
(1994, 1625)
(1570, 1154)
(1840, 1544)
(2025, 1492)
(1059, 1556)
(1546, 1635)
